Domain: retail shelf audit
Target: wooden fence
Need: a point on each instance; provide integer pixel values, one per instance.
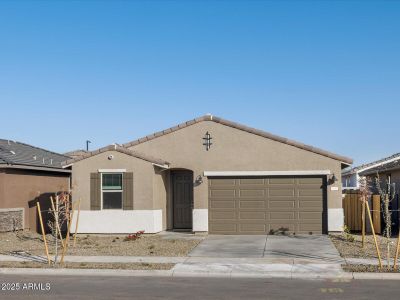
(352, 208)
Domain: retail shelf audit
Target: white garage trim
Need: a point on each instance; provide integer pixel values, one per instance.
(200, 219)
(265, 173)
(335, 219)
(118, 221)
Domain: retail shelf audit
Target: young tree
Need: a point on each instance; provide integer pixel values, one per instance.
(387, 193)
(60, 207)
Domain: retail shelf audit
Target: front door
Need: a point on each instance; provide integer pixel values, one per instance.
(182, 195)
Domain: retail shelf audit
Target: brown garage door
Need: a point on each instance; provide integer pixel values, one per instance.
(262, 205)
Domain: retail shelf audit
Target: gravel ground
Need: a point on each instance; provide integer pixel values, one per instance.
(121, 266)
(90, 245)
(368, 268)
(354, 249)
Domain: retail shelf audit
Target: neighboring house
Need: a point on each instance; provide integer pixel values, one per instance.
(351, 177)
(76, 153)
(27, 175)
(209, 175)
(389, 172)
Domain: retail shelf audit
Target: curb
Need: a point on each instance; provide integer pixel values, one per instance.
(172, 273)
(86, 272)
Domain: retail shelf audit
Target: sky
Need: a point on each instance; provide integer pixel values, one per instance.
(323, 73)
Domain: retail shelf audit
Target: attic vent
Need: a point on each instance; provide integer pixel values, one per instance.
(34, 157)
(12, 152)
(43, 159)
(51, 161)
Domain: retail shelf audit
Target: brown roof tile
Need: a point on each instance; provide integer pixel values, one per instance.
(117, 148)
(258, 132)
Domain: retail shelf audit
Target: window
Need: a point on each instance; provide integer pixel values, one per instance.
(111, 189)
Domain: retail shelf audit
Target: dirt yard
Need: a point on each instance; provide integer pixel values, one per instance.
(89, 245)
(69, 265)
(369, 269)
(353, 249)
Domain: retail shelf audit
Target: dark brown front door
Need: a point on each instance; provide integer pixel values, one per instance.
(182, 194)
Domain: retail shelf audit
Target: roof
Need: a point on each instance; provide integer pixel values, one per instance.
(117, 148)
(75, 153)
(258, 132)
(373, 164)
(390, 166)
(19, 154)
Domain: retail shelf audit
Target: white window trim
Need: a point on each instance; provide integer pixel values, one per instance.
(112, 170)
(122, 191)
(266, 173)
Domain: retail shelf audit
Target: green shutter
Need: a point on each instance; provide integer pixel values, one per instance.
(95, 191)
(128, 191)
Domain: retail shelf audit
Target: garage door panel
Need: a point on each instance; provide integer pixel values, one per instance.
(252, 228)
(223, 228)
(310, 215)
(282, 215)
(252, 215)
(223, 215)
(258, 205)
(221, 182)
(280, 181)
(310, 193)
(309, 204)
(251, 193)
(251, 181)
(215, 193)
(275, 204)
(314, 181)
(222, 204)
(279, 192)
(252, 204)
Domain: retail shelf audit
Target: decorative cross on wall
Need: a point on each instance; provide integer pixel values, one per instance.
(207, 140)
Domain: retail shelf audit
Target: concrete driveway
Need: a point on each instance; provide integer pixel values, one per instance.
(314, 248)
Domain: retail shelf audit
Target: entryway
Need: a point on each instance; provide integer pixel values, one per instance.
(182, 199)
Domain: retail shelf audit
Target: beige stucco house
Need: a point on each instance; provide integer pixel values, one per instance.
(209, 175)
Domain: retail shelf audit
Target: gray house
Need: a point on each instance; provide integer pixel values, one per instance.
(209, 175)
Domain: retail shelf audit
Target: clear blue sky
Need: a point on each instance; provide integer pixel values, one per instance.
(323, 73)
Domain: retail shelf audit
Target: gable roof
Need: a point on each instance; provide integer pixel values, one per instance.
(370, 165)
(388, 166)
(15, 153)
(75, 153)
(238, 126)
(117, 148)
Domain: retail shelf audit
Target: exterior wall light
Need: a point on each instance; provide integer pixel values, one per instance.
(199, 180)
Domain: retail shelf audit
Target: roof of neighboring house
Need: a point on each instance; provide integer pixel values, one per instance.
(371, 165)
(19, 154)
(76, 153)
(258, 132)
(117, 148)
(390, 166)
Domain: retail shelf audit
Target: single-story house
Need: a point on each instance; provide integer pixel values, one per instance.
(389, 172)
(351, 176)
(209, 175)
(28, 174)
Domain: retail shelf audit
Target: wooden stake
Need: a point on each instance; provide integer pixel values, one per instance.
(363, 222)
(43, 233)
(58, 225)
(77, 222)
(373, 233)
(67, 237)
(397, 252)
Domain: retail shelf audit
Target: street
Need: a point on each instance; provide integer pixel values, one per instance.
(79, 287)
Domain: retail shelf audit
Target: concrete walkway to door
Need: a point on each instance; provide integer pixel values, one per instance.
(307, 248)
